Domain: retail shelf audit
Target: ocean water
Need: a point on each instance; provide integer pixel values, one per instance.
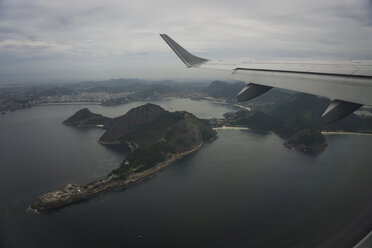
(243, 190)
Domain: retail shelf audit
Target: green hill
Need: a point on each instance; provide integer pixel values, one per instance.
(220, 89)
(154, 134)
(85, 118)
(297, 118)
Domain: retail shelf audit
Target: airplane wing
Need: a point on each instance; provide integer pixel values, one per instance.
(347, 83)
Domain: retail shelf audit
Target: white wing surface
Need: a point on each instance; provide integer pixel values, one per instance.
(348, 83)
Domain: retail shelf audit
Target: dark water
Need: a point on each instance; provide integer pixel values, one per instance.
(243, 190)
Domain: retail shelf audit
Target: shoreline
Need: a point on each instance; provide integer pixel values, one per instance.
(231, 128)
(67, 103)
(346, 133)
(218, 101)
(73, 193)
(83, 126)
(323, 132)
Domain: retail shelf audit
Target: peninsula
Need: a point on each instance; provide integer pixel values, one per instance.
(155, 137)
(297, 120)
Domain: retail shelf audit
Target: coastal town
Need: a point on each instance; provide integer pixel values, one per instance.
(16, 98)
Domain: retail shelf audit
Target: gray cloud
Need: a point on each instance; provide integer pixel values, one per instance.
(106, 39)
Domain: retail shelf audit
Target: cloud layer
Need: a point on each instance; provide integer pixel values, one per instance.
(78, 40)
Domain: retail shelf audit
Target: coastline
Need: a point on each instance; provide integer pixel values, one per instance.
(218, 101)
(231, 128)
(323, 132)
(345, 133)
(67, 103)
(79, 126)
(73, 193)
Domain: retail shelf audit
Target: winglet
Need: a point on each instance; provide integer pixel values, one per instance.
(186, 57)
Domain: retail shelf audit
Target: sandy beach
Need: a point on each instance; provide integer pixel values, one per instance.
(346, 133)
(233, 128)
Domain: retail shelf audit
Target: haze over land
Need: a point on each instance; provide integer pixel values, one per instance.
(295, 117)
(43, 40)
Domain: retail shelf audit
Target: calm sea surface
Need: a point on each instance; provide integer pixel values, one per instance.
(243, 190)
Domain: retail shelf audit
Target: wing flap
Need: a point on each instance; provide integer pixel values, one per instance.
(347, 88)
(338, 110)
(251, 91)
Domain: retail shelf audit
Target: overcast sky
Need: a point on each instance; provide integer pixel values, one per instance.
(92, 40)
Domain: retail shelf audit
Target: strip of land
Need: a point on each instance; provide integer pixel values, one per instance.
(73, 193)
(68, 103)
(231, 128)
(346, 133)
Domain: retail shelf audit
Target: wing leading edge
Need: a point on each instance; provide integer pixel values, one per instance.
(347, 83)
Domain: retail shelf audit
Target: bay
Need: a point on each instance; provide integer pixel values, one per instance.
(243, 190)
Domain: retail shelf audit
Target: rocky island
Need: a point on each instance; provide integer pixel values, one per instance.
(156, 138)
(307, 140)
(85, 118)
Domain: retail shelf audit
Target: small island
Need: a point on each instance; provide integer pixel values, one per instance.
(85, 118)
(307, 140)
(155, 137)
